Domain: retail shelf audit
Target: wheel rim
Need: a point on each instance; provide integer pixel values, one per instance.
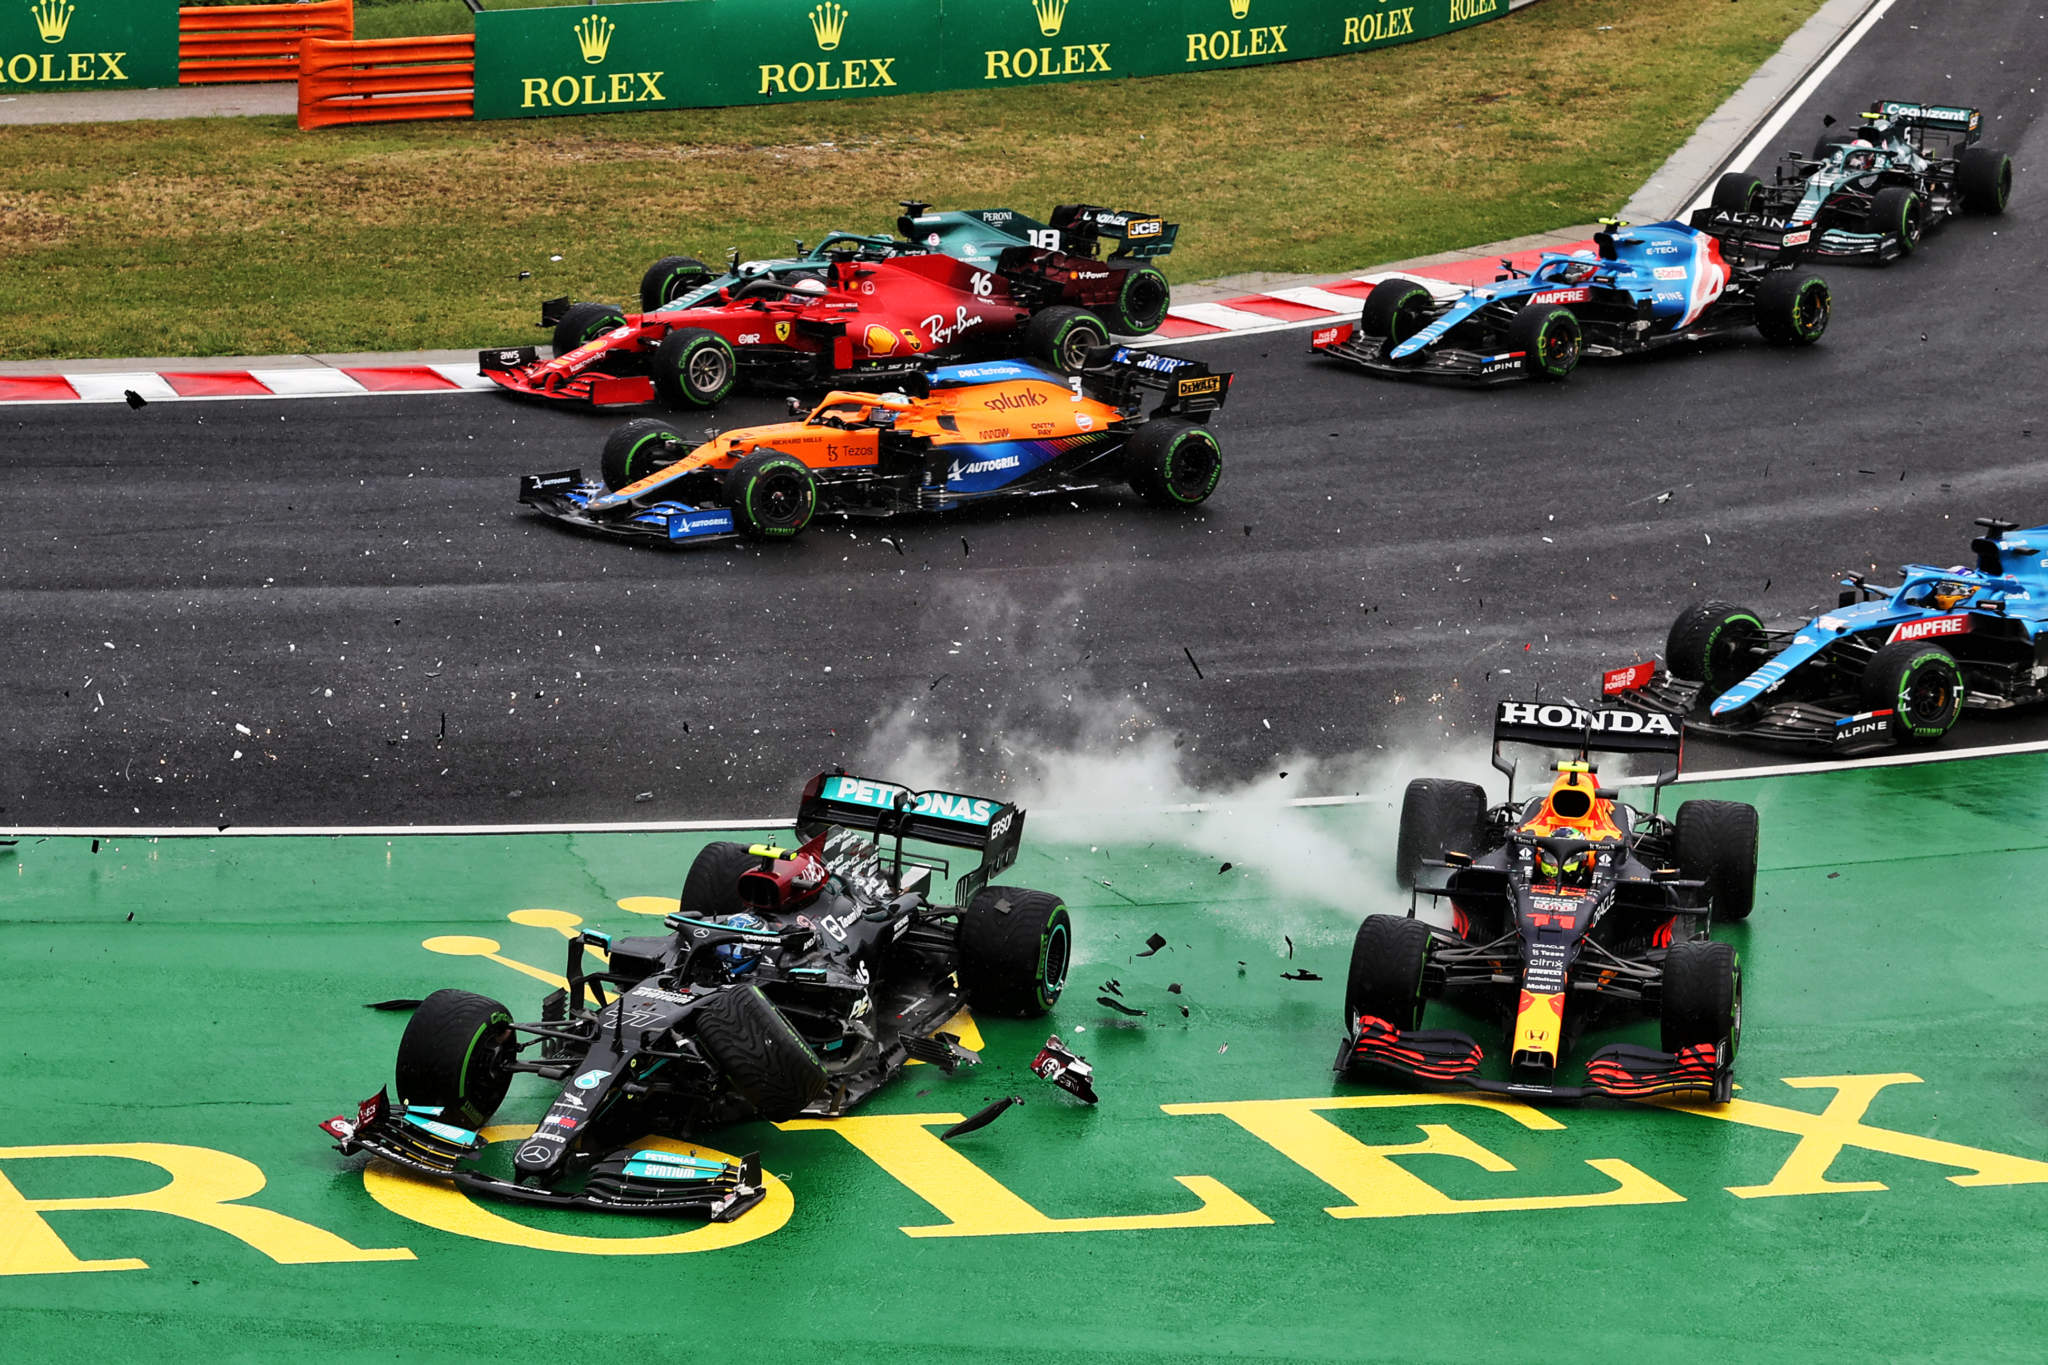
(780, 497)
(1191, 469)
(1811, 312)
(1081, 337)
(1056, 955)
(1145, 299)
(1726, 648)
(707, 369)
(1559, 346)
(1928, 698)
(1410, 317)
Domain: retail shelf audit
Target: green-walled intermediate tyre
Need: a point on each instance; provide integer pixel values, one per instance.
(639, 448)
(1015, 947)
(773, 495)
(583, 323)
(1922, 686)
(454, 1054)
(1716, 644)
(1174, 463)
(694, 368)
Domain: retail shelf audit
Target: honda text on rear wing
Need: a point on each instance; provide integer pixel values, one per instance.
(1563, 725)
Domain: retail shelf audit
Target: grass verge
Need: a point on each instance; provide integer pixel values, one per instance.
(248, 237)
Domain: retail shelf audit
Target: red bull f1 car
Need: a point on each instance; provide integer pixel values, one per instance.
(1569, 910)
(791, 981)
(968, 434)
(1874, 194)
(1641, 289)
(871, 311)
(1886, 666)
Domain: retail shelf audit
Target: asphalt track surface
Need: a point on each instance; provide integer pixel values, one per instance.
(330, 611)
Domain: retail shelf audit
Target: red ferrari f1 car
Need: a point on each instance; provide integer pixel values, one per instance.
(874, 316)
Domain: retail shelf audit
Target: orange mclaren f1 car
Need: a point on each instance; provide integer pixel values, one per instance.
(960, 435)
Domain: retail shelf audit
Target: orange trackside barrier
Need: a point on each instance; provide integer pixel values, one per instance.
(254, 42)
(381, 80)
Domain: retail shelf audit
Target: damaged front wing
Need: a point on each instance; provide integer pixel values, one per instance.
(650, 1180)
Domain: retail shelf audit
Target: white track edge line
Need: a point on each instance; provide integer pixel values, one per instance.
(1904, 760)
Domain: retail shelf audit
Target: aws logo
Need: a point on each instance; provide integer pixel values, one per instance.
(802, 77)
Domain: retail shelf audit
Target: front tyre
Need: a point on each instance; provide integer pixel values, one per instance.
(1436, 814)
(1716, 644)
(1174, 463)
(1920, 683)
(760, 1052)
(1717, 845)
(1395, 310)
(1550, 338)
(583, 323)
(668, 279)
(1062, 336)
(1792, 309)
(1015, 946)
(1142, 298)
(454, 1054)
(773, 496)
(1738, 192)
(1985, 179)
(1702, 997)
(1388, 956)
(639, 448)
(694, 368)
(1898, 210)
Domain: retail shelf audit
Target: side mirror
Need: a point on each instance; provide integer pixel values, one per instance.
(794, 405)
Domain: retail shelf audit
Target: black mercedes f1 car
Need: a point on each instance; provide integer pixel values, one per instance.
(1568, 910)
(792, 981)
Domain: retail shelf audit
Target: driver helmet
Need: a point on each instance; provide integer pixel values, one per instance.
(1945, 595)
(1860, 155)
(809, 286)
(740, 957)
(1577, 272)
(1575, 869)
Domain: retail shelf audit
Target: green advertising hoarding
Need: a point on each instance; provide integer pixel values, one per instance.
(87, 45)
(709, 53)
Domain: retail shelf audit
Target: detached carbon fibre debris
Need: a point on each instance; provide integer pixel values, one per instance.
(1064, 1069)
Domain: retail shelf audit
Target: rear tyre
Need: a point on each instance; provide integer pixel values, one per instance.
(773, 496)
(1717, 844)
(1716, 644)
(1702, 996)
(638, 448)
(1897, 210)
(1387, 959)
(1395, 310)
(1792, 309)
(1738, 192)
(1015, 946)
(454, 1053)
(694, 368)
(1985, 178)
(1174, 463)
(668, 279)
(1062, 336)
(712, 887)
(760, 1052)
(583, 323)
(1922, 685)
(1550, 336)
(1142, 298)
(1436, 814)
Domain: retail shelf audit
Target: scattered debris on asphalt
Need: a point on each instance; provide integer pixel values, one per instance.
(1153, 944)
(981, 1119)
(392, 1005)
(1119, 1006)
(1300, 974)
(1065, 1070)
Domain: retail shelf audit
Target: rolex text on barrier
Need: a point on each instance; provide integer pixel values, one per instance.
(87, 45)
(581, 59)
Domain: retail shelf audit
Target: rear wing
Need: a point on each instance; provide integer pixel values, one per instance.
(886, 809)
(1082, 227)
(1748, 237)
(1116, 374)
(1563, 725)
(1946, 118)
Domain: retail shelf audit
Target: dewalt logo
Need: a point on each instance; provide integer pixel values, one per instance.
(597, 91)
(52, 20)
(805, 75)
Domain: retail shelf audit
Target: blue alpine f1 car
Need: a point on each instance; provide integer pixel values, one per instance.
(1642, 288)
(1886, 666)
(1071, 241)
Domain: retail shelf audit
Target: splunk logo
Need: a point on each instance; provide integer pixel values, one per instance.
(805, 75)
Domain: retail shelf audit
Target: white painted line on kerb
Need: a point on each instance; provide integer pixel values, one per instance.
(306, 382)
(1791, 105)
(1220, 315)
(113, 388)
(1308, 296)
(691, 826)
(465, 375)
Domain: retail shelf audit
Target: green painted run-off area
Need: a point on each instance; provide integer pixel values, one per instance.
(1877, 1189)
